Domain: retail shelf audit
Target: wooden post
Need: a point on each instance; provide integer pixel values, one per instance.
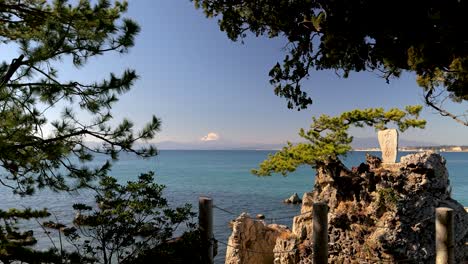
(205, 224)
(320, 233)
(445, 241)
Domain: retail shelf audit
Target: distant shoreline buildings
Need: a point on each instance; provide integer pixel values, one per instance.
(442, 148)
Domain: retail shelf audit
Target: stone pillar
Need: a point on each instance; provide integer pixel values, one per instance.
(388, 141)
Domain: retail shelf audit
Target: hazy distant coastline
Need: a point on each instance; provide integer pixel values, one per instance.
(443, 148)
(358, 144)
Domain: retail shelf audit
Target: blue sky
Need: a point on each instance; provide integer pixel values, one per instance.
(198, 81)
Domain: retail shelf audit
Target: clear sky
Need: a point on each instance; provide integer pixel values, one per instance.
(198, 81)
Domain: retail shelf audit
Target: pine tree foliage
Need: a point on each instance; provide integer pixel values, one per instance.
(131, 221)
(328, 137)
(428, 38)
(48, 34)
(15, 244)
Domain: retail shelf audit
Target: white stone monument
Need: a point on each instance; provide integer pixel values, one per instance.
(388, 141)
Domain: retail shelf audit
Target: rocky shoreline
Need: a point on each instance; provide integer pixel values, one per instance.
(377, 212)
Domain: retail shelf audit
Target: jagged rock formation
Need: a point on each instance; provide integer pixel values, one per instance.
(252, 241)
(378, 212)
(294, 199)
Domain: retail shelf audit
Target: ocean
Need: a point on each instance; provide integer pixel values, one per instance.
(224, 176)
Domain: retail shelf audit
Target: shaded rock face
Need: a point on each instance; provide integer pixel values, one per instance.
(380, 212)
(377, 213)
(252, 241)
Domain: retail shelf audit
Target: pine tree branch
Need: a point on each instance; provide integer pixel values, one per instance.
(15, 64)
(41, 141)
(429, 100)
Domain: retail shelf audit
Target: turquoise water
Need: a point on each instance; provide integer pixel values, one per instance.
(224, 176)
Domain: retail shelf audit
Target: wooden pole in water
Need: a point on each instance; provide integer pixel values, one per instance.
(320, 233)
(205, 224)
(445, 241)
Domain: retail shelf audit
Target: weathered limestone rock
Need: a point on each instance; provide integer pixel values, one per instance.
(385, 214)
(294, 199)
(290, 249)
(252, 241)
(377, 214)
(302, 224)
(286, 251)
(388, 141)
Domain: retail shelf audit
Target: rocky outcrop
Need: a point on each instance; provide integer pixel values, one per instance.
(377, 213)
(294, 199)
(384, 211)
(285, 250)
(252, 241)
(302, 224)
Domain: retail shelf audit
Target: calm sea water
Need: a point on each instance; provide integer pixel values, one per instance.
(224, 176)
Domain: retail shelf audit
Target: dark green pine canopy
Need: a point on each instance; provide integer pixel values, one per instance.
(46, 33)
(428, 38)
